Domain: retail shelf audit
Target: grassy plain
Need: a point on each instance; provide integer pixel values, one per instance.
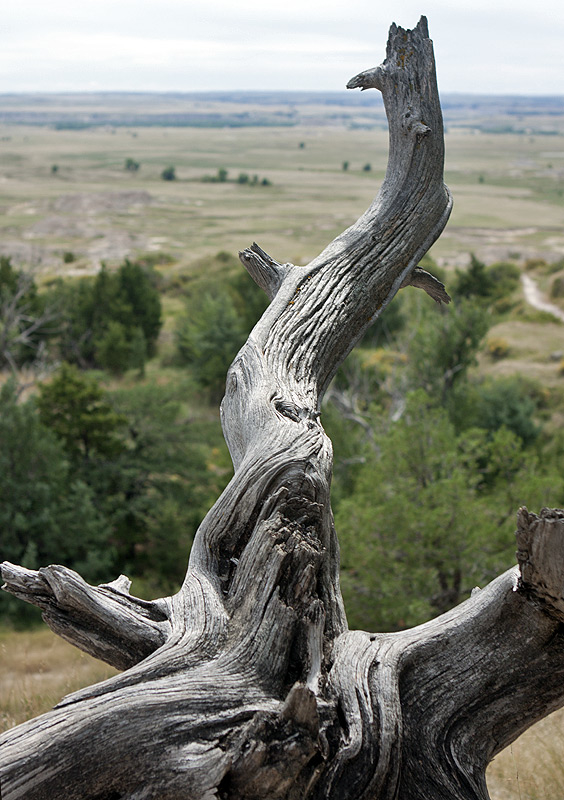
(508, 189)
(509, 203)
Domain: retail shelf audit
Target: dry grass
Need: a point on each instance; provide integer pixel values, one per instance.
(531, 768)
(514, 208)
(531, 345)
(37, 669)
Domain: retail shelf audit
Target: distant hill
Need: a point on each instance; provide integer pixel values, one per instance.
(488, 113)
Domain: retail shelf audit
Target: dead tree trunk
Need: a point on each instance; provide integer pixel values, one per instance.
(248, 683)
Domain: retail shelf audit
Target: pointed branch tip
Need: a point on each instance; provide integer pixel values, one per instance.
(423, 26)
(421, 279)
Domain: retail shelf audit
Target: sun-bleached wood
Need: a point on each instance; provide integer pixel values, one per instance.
(248, 683)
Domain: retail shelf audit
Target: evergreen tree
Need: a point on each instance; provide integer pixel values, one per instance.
(137, 290)
(209, 335)
(474, 282)
(431, 515)
(113, 350)
(47, 514)
(73, 406)
(103, 317)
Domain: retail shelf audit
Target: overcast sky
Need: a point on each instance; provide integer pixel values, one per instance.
(481, 46)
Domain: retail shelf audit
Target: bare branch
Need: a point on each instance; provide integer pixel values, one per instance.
(20, 325)
(104, 621)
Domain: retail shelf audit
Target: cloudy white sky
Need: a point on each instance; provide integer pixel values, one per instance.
(482, 46)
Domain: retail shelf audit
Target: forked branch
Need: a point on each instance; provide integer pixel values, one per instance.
(104, 621)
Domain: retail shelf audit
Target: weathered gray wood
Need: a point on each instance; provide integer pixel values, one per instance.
(248, 683)
(104, 621)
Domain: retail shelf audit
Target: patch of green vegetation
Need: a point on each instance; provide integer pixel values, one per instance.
(557, 287)
(527, 313)
(174, 229)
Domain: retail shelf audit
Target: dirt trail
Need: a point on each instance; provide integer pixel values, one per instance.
(534, 297)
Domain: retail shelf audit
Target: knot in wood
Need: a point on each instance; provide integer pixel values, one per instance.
(289, 409)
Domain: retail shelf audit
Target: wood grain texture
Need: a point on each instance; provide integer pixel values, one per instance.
(248, 684)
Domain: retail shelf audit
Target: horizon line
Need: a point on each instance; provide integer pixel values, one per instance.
(7, 93)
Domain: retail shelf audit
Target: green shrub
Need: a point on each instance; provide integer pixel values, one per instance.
(497, 348)
(503, 305)
(535, 263)
(168, 174)
(509, 402)
(47, 513)
(208, 336)
(474, 282)
(505, 277)
(557, 287)
(219, 316)
(556, 266)
(156, 258)
(487, 284)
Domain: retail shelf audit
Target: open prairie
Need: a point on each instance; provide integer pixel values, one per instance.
(65, 188)
(291, 183)
(37, 668)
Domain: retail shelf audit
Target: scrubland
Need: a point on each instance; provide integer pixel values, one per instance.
(68, 192)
